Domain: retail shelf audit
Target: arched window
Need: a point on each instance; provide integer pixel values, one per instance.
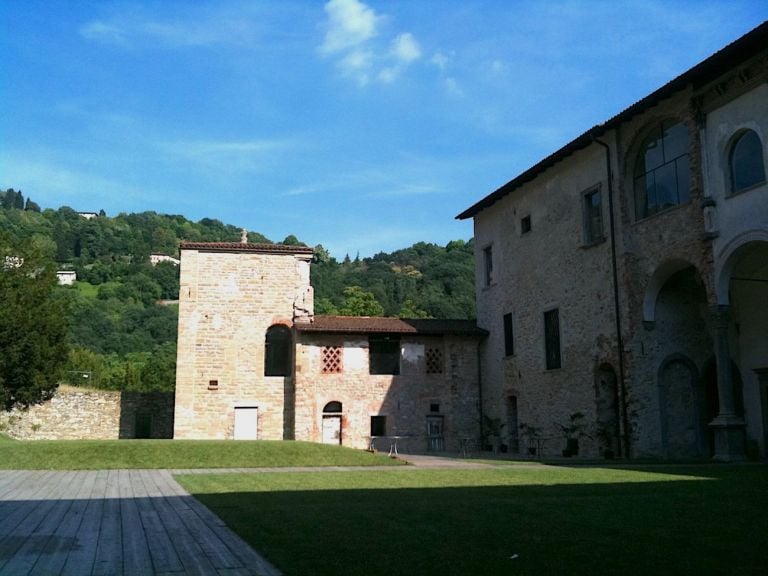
(746, 161)
(277, 353)
(332, 407)
(662, 177)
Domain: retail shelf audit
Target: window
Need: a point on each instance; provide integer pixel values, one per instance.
(552, 338)
(746, 162)
(525, 225)
(331, 357)
(509, 342)
(593, 217)
(434, 361)
(488, 260)
(277, 353)
(332, 408)
(384, 355)
(662, 177)
(378, 425)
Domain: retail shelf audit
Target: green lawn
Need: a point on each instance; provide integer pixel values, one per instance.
(111, 454)
(510, 520)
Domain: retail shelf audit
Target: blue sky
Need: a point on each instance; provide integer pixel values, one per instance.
(362, 126)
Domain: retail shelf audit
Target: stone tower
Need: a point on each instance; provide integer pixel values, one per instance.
(238, 304)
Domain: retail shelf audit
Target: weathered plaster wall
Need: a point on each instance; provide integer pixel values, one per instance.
(404, 399)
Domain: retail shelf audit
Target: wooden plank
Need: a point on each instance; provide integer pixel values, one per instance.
(136, 557)
(109, 551)
(54, 555)
(40, 525)
(241, 550)
(164, 557)
(82, 556)
(187, 548)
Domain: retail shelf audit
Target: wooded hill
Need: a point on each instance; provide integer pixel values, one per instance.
(122, 338)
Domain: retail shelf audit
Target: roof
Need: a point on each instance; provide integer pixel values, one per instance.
(701, 74)
(240, 247)
(377, 325)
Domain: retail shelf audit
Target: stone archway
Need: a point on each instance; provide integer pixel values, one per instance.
(681, 401)
(742, 291)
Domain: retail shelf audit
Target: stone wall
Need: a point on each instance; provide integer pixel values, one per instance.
(407, 400)
(78, 414)
(228, 299)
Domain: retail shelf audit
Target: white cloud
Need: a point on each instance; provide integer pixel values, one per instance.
(351, 31)
(405, 48)
(350, 24)
(440, 60)
(197, 26)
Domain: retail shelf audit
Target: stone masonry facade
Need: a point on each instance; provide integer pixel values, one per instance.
(658, 332)
(230, 384)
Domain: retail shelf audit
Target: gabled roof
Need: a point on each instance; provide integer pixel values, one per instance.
(377, 325)
(701, 74)
(240, 247)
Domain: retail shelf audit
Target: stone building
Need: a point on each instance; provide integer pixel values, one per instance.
(254, 362)
(625, 276)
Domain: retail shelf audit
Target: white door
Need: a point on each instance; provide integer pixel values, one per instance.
(332, 430)
(246, 423)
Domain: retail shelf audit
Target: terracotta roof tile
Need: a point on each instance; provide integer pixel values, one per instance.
(378, 325)
(240, 247)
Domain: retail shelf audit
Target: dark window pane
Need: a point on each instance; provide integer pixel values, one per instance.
(277, 353)
(683, 180)
(509, 343)
(593, 217)
(384, 355)
(666, 186)
(378, 425)
(488, 257)
(675, 141)
(747, 167)
(552, 338)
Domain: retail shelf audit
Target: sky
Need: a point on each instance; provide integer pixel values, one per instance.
(364, 126)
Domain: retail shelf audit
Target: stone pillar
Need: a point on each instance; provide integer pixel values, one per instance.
(727, 426)
(762, 378)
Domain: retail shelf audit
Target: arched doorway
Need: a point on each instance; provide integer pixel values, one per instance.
(683, 417)
(332, 423)
(742, 291)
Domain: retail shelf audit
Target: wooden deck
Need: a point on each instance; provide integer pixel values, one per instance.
(115, 522)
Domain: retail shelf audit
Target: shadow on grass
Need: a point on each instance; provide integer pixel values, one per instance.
(655, 527)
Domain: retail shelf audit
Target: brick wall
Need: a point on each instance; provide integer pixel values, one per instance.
(407, 399)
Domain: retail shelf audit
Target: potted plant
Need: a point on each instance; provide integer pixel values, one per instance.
(572, 430)
(492, 433)
(607, 437)
(531, 435)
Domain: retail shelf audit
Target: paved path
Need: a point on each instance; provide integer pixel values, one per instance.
(121, 522)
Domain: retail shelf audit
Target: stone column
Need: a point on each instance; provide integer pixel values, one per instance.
(762, 378)
(727, 426)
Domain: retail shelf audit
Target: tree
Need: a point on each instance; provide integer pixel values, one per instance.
(33, 327)
(358, 302)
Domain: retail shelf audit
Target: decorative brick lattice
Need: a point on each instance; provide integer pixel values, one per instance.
(434, 361)
(332, 360)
